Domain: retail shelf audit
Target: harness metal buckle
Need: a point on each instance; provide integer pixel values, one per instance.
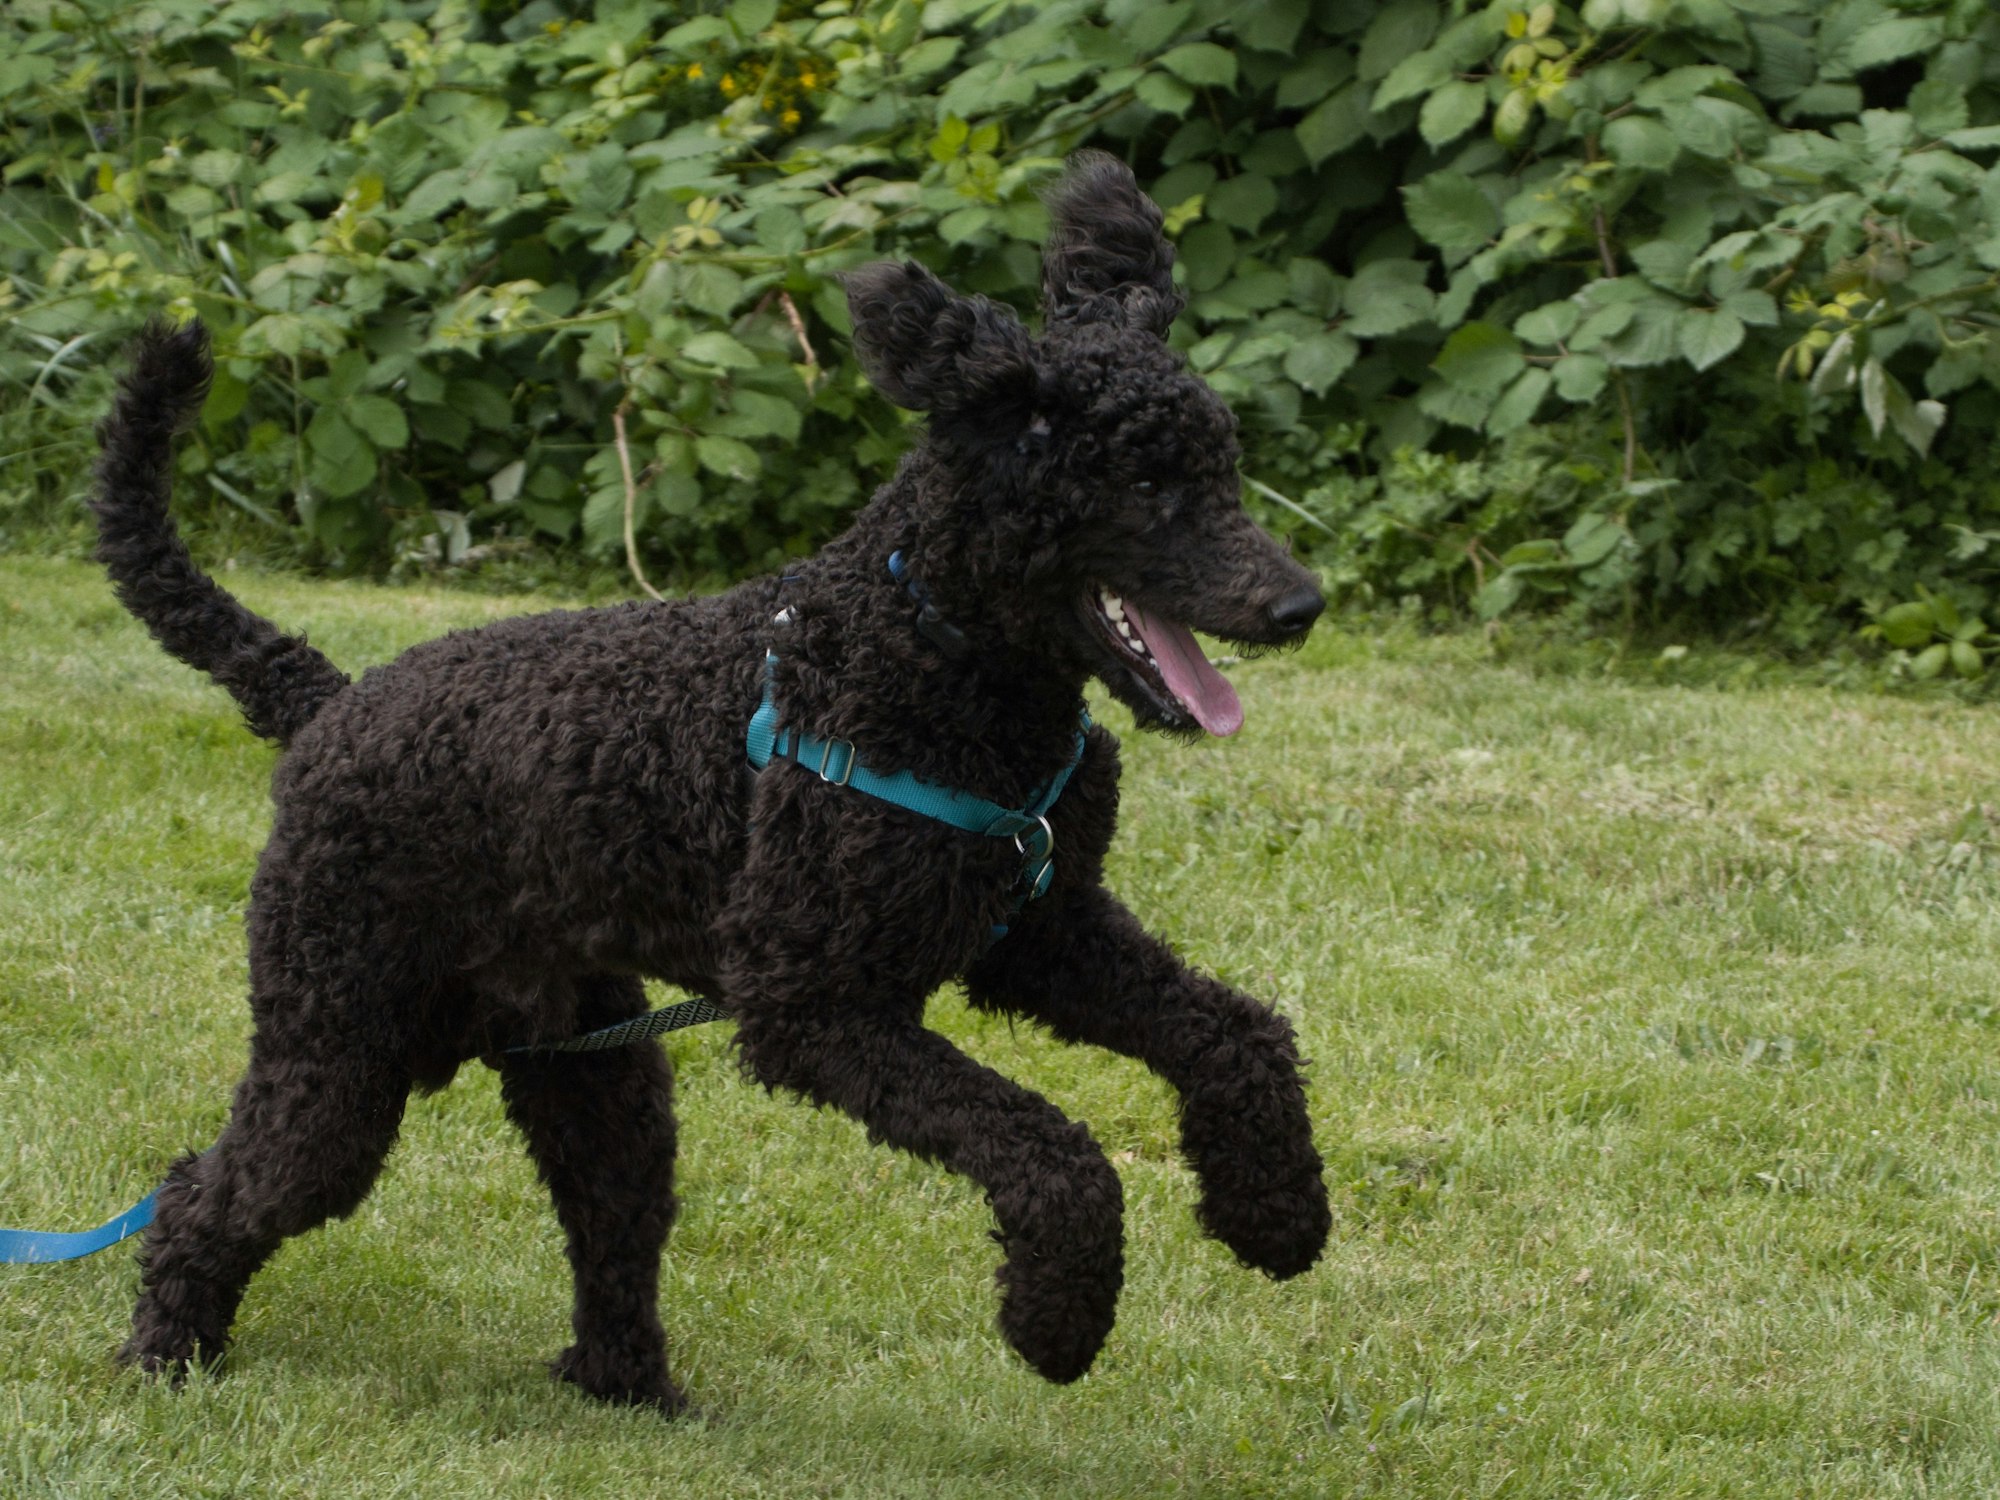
(1048, 850)
(847, 771)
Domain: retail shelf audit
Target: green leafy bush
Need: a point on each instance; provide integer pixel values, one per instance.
(1647, 305)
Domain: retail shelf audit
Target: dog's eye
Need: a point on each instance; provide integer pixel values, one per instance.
(1145, 489)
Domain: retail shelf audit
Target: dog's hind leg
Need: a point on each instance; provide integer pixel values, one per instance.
(600, 1126)
(1079, 963)
(1057, 1200)
(312, 1120)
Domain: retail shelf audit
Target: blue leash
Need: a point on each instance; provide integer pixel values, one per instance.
(30, 1247)
(26, 1247)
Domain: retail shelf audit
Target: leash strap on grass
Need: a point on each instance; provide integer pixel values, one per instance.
(29, 1247)
(653, 1023)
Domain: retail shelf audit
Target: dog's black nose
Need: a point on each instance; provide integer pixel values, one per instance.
(1294, 613)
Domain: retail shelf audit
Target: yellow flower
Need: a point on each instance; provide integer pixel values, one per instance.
(807, 79)
(789, 119)
(728, 86)
(694, 72)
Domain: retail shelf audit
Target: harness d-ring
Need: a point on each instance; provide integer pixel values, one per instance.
(1049, 833)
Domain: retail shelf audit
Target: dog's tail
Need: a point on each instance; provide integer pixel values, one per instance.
(279, 681)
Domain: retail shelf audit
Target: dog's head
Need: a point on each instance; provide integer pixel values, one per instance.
(1095, 500)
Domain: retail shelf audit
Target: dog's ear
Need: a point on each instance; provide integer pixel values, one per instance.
(926, 347)
(1106, 258)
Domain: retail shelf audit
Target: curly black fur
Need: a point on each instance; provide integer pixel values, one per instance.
(279, 680)
(487, 842)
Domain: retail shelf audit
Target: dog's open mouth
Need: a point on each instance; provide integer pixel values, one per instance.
(1164, 659)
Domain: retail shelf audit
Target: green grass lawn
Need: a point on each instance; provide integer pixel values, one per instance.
(1653, 1035)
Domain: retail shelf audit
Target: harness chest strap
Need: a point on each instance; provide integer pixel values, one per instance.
(835, 761)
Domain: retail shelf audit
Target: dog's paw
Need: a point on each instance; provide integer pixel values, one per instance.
(619, 1379)
(1279, 1231)
(1056, 1311)
(168, 1355)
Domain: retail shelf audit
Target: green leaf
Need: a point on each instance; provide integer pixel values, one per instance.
(1602, 325)
(1592, 539)
(1518, 404)
(1757, 308)
(604, 518)
(1966, 660)
(1445, 402)
(1945, 608)
(1887, 40)
(1580, 377)
(781, 231)
(1664, 262)
(343, 463)
(216, 168)
(754, 415)
(1826, 99)
(1907, 625)
(1640, 141)
(1939, 108)
(1707, 338)
(381, 419)
(1874, 394)
(346, 374)
(1243, 202)
(1651, 338)
(1512, 118)
(1540, 553)
(1164, 93)
(1449, 210)
(1316, 78)
(718, 349)
(751, 16)
(1416, 74)
(730, 457)
(1916, 422)
(1202, 64)
(1387, 296)
(898, 28)
(481, 402)
(1313, 286)
(710, 288)
(1399, 29)
(1499, 594)
(1480, 358)
(928, 56)
(1450, 111)
(1335, 125)
(1930, 662)
(1550, 323)
(1699, 130)
(1785, 61)
(1271, 25)
(1318, 360)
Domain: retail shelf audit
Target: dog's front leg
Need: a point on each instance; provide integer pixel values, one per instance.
(1079, 963)
(1058, 1202)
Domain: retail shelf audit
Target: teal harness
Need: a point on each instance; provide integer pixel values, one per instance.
(836, 762)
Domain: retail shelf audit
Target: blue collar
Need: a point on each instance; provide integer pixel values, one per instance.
(836, 761)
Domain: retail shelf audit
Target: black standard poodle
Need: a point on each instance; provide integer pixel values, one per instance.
(489, 842)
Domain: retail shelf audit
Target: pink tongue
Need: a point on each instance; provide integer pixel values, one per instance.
(1203, 691)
